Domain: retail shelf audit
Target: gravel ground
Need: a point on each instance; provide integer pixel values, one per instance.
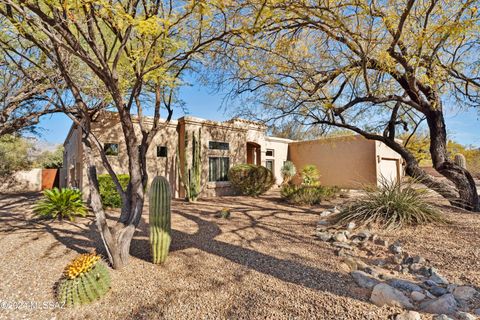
(263, 263)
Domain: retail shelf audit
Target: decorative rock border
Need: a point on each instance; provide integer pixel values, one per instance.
(429, 292)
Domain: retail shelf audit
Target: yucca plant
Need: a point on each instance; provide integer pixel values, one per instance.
(392, 205)
(61, 203)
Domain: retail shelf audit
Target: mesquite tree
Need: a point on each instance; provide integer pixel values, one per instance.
(130, 52)
(378, 68)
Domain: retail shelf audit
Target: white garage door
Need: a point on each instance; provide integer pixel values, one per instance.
(389, 169)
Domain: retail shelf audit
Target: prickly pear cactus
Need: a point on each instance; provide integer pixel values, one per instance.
(160, 225)
(460, 160)
(84, 280)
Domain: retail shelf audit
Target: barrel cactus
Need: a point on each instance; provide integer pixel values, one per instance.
(460, 160)
(85, 279)
(160, 225)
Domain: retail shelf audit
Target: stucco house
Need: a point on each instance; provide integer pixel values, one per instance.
(347, 162)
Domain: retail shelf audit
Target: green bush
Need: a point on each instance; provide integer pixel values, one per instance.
(61, 203)
(288, 171)
(392, 205)
(250, 179)
(110, 197)
(308, 195)
(310, 175)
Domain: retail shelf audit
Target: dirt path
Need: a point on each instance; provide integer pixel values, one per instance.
(264, 262)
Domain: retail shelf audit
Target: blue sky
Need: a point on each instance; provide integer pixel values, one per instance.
(200, 101)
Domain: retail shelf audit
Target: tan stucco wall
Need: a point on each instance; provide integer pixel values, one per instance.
(71, 173)
(280, 155)
(346, 162)
(22, 181)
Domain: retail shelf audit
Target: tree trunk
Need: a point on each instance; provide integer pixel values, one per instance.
(116, 240)
(461, 178)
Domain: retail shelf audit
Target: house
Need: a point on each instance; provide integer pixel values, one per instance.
(346, 162)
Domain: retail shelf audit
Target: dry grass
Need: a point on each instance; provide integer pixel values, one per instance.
(263, 262)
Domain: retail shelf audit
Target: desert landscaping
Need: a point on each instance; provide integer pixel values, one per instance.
(265, 261)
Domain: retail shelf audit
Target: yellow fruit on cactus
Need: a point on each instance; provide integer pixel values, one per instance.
(81, 264)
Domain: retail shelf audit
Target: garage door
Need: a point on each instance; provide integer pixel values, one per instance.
(389, 169)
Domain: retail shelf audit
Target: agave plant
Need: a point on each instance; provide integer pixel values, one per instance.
(61, 203)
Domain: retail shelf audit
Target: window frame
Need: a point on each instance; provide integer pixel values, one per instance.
(216, 145)
(109, 144)
(273, 152)
(273, 164)
(159, 148)
(219, 164)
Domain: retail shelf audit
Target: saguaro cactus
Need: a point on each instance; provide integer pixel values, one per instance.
(160, 220)
(460, 160)
(192, 171)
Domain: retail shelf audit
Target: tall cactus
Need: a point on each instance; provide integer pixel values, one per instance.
(160, 219)
(460, 160)
(192, 171)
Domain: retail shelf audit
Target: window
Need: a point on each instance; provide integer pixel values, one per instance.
(269, 165)
(217, 145)
(111, 149)
(269, 153)
(161, 151)
(218, 168)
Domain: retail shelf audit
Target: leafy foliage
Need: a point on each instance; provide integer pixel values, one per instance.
(250, 179)
(51, 159)
(14, 154)
(108, 192)
(310, 175)
(392, 205)
(308, 195)
(61, 203)
(288, 171)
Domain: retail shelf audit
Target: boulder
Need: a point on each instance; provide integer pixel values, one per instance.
(325, 213)
(395, 248)
(465, 316)
(446, 304)
(404, 285)
(417, 296)
(441, 317)
(340, 237)
(364, 280)
(408, 315)
(383, 294)
(437, 277)
(438, 291)
(351, 226)
(464, 293)
(323, 235)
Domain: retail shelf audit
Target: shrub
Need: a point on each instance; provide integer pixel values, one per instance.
(61, 203)
(288, 171)
(310, 175)
(392, 205)
(250, 179)
(108, 192)
(224, 213)
(308, 195)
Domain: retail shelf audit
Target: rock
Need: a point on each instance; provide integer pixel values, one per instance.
(351, 226)
(464, 293)
(383, 294)
(477, 311)
(324, 236)
(364, 280)
(395, 249)
(325, 213)
(417, 296)
(342, 245)
(446, 304)
(351, 263)
(397, 259)
(418, 259)
(408, 315)
(364, 235)
(336, 210)
(381, 242)
(430, 283)
(379, 262)
(415, 267)
(323, 223)
(404, 285)
(465, 316)
(438, 291)
(451, 287)
(437, 277)
(441, 317)
(340, 237)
